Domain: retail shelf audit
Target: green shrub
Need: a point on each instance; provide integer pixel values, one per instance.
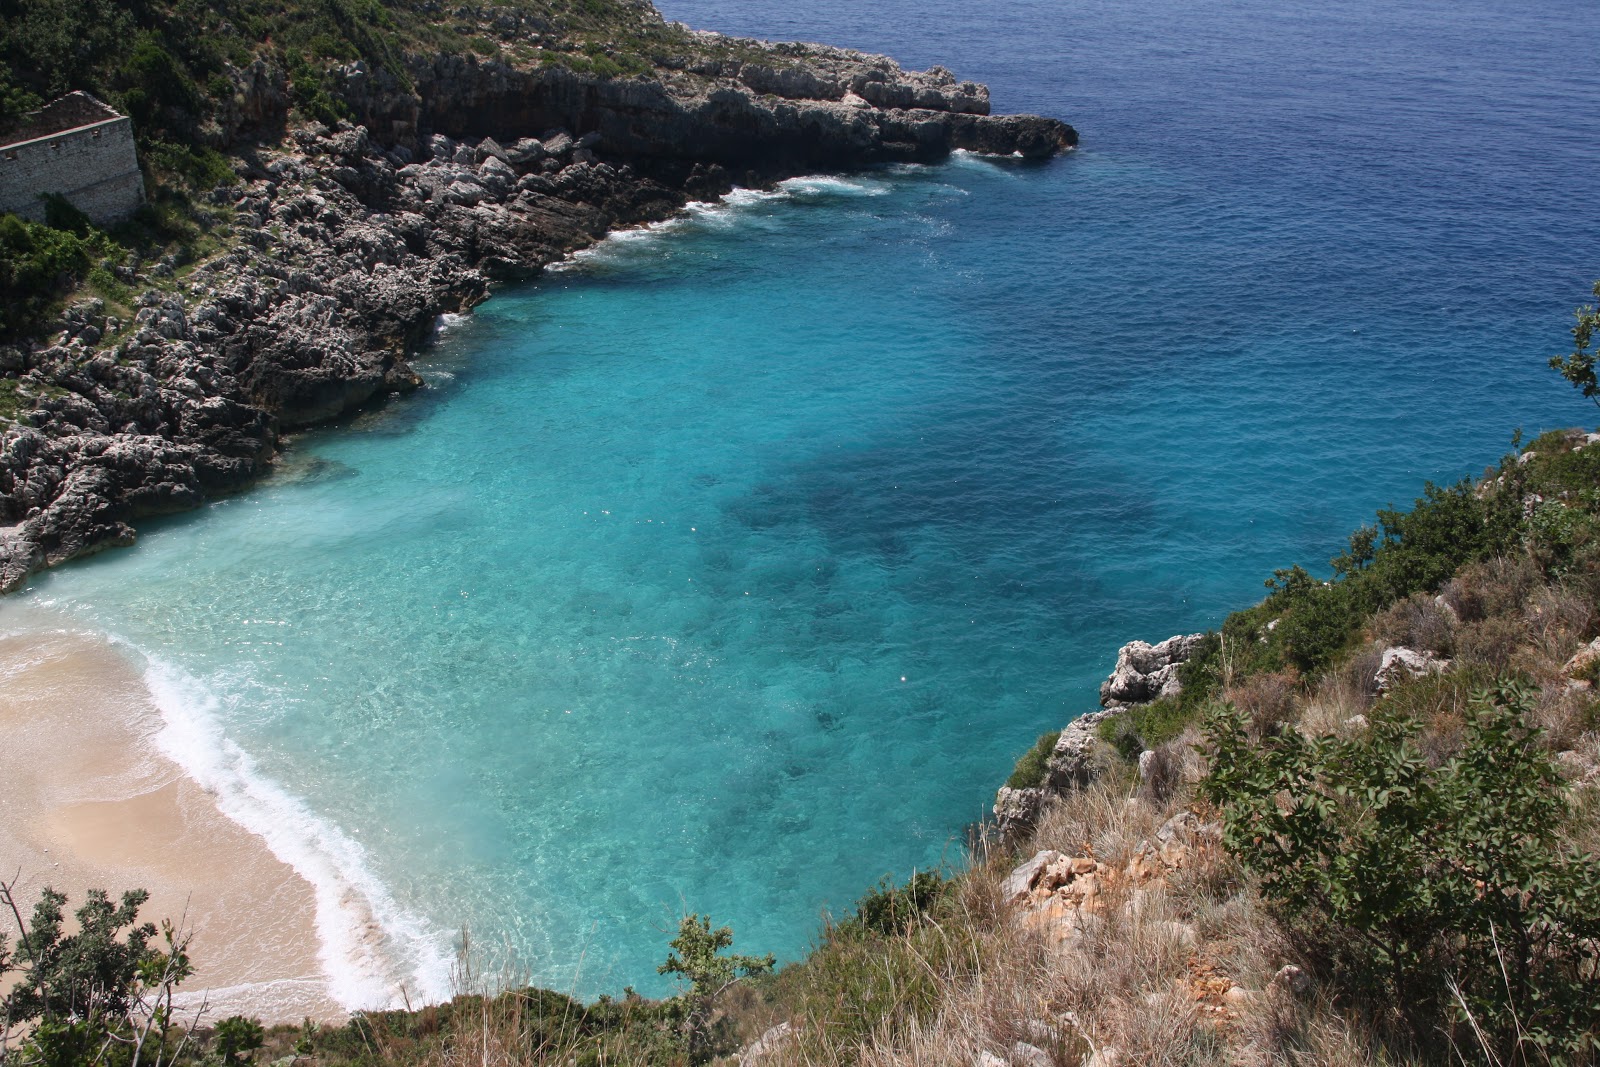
(1320, 619)
(1450, 885)
(1031, 768)
(310, 95)
(236, 1037)
(201, 168)
(888, 909)
(1147, 725)
(39, 263)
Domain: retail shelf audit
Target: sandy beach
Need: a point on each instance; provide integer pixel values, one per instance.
(86, 801)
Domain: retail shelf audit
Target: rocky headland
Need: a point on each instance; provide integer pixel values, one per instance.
(348, 241)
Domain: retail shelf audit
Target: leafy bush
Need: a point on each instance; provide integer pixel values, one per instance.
(236, 1037)
(101, 994)
(311, 95)
(887, 909)
(1032, 767)
(697, 956)
(1147, 725)
(1452, 883)
(202, 168)
(39, 263)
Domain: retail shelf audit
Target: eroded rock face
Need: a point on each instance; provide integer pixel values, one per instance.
(1146, 672)
(781, 108)
(357, 239)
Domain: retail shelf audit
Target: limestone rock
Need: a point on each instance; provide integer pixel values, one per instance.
(1022, 880)
(767, 1046)
(1583, 661)
(1024, 1054)
(1016, 811)
(1399, 664)
(1147, 672)
(1291, 980)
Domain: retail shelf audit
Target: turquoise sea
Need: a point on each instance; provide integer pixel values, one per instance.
(728, 568)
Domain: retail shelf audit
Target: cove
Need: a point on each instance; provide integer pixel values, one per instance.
(729, 568)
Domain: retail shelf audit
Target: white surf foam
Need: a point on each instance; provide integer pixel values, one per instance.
(820, 185)
(374, 954)
(446, 322)
(723, 213)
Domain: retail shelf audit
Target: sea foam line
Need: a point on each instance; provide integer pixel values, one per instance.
(374, 954)
(725, 211)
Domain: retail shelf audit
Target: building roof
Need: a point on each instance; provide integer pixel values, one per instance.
(68, 113)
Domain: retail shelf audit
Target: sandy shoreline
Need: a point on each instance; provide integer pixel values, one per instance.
(86, 801)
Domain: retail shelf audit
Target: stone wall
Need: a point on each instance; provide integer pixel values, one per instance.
(93, 166)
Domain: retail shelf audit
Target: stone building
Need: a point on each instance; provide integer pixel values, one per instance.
(78, 147)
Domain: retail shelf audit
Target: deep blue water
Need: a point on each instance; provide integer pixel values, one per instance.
(730, 568)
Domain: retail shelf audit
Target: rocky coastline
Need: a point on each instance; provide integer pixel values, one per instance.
(350, 241)
(1144, 674)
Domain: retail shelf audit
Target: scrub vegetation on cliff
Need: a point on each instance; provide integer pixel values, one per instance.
(183, 72)
(1363, 834)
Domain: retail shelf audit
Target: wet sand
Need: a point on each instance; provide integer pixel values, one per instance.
(86, 801)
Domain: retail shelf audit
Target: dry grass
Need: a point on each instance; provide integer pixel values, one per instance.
(1181, 970)
(1422, 622)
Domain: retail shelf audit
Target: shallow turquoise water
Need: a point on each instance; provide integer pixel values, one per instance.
(730, 568)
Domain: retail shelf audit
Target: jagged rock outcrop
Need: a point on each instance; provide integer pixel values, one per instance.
(775, 109)
(355, 240)
(1143, 673)
(1147, 672)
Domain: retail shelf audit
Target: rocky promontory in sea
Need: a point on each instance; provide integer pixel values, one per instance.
(350, 237)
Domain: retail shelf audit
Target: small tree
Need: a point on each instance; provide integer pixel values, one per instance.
(696, 956)
(236, 1038)
(1578, 366)
(1454, 881)
(103, 994)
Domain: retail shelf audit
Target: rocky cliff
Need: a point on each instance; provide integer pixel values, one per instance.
(351, 241)
(1144, 673)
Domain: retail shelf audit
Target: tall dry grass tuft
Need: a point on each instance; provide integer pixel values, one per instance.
(1333, 706)
(1268, 698)
(1421, 621)
(1557, 621)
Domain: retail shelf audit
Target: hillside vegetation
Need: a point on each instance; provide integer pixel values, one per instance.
(1305, 859)
(166, 62)
(189, 75)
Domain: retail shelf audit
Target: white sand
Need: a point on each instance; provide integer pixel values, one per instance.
(87, 802)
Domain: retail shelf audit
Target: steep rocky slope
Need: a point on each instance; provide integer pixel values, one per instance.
(453, 171)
